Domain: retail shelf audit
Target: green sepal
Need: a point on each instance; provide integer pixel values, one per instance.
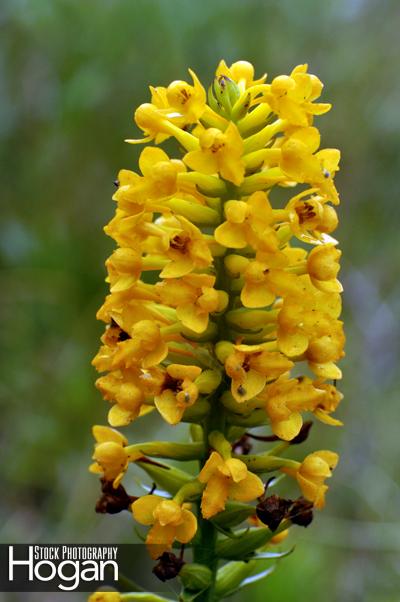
(169, 450)
(188, 595)
(199, 214)
(241, 106)
(197, 412)
(256, 418)
(231, 575)
(195, 577)
(208, 381)
(210, 186)
(167, 477)
(244, 547)
(228, 532)
(203, 337)
(264, 462)
(196, 433)
(234, 514)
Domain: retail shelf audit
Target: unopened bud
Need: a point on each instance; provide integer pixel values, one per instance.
(195, 576)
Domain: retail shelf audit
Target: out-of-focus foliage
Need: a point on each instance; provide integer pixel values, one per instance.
(71, 72)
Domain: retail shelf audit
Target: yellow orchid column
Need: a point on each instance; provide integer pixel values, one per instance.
(223, 313)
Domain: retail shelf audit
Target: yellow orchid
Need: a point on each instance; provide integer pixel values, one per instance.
(286, 400)
(323, 267)
(302, 164)
(248, 223)
(189, 101)
(227, 478)
(220, 152)
(311, 218)
(291, 96)
(178, 392)
(182, 244)
(311, 475)
(314, 334)
(260, 284)
(144, 347)
(242, 72)
(124, 268)
(251, 366)
(128, 390)
(223, 296)
(135, 193)
(194, 297)
(111, 459)
(328, 404)
(170, 521)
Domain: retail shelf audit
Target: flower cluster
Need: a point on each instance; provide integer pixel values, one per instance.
(224, 308)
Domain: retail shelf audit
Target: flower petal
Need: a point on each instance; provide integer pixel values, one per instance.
(287, 429)
(119, 416)
(103, 434)
(143, 508)
(214, 495)
(187, 530)
(256, 295)
(167, 406)
(213, 463)
(160, 539)
(248, 489)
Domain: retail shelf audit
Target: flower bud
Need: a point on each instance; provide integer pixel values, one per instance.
(323, 262)
(195, 577)
(230, 576)
(168, 477)
(208, 381)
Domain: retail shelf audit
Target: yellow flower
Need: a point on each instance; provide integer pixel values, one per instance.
(105, 597)
(311, 475)
(128, 391)
(145, 348)
(311, 218)
(248, 223)
(250, 366)
(291, 97)
(136, 193)
(227, 479)
(299, 162)
(242, 72)
(189, 101)
(286, 399)
(194, 297)
(169, 521)
(124, 268)
(178, 392)
(220, 152)
(308, 325)
(263, 282)
(111, 459)
(323, 267)
(183, 245)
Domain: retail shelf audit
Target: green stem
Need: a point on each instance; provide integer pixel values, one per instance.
(205, 548)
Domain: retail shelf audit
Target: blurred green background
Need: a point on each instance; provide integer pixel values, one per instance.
(71, 73)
